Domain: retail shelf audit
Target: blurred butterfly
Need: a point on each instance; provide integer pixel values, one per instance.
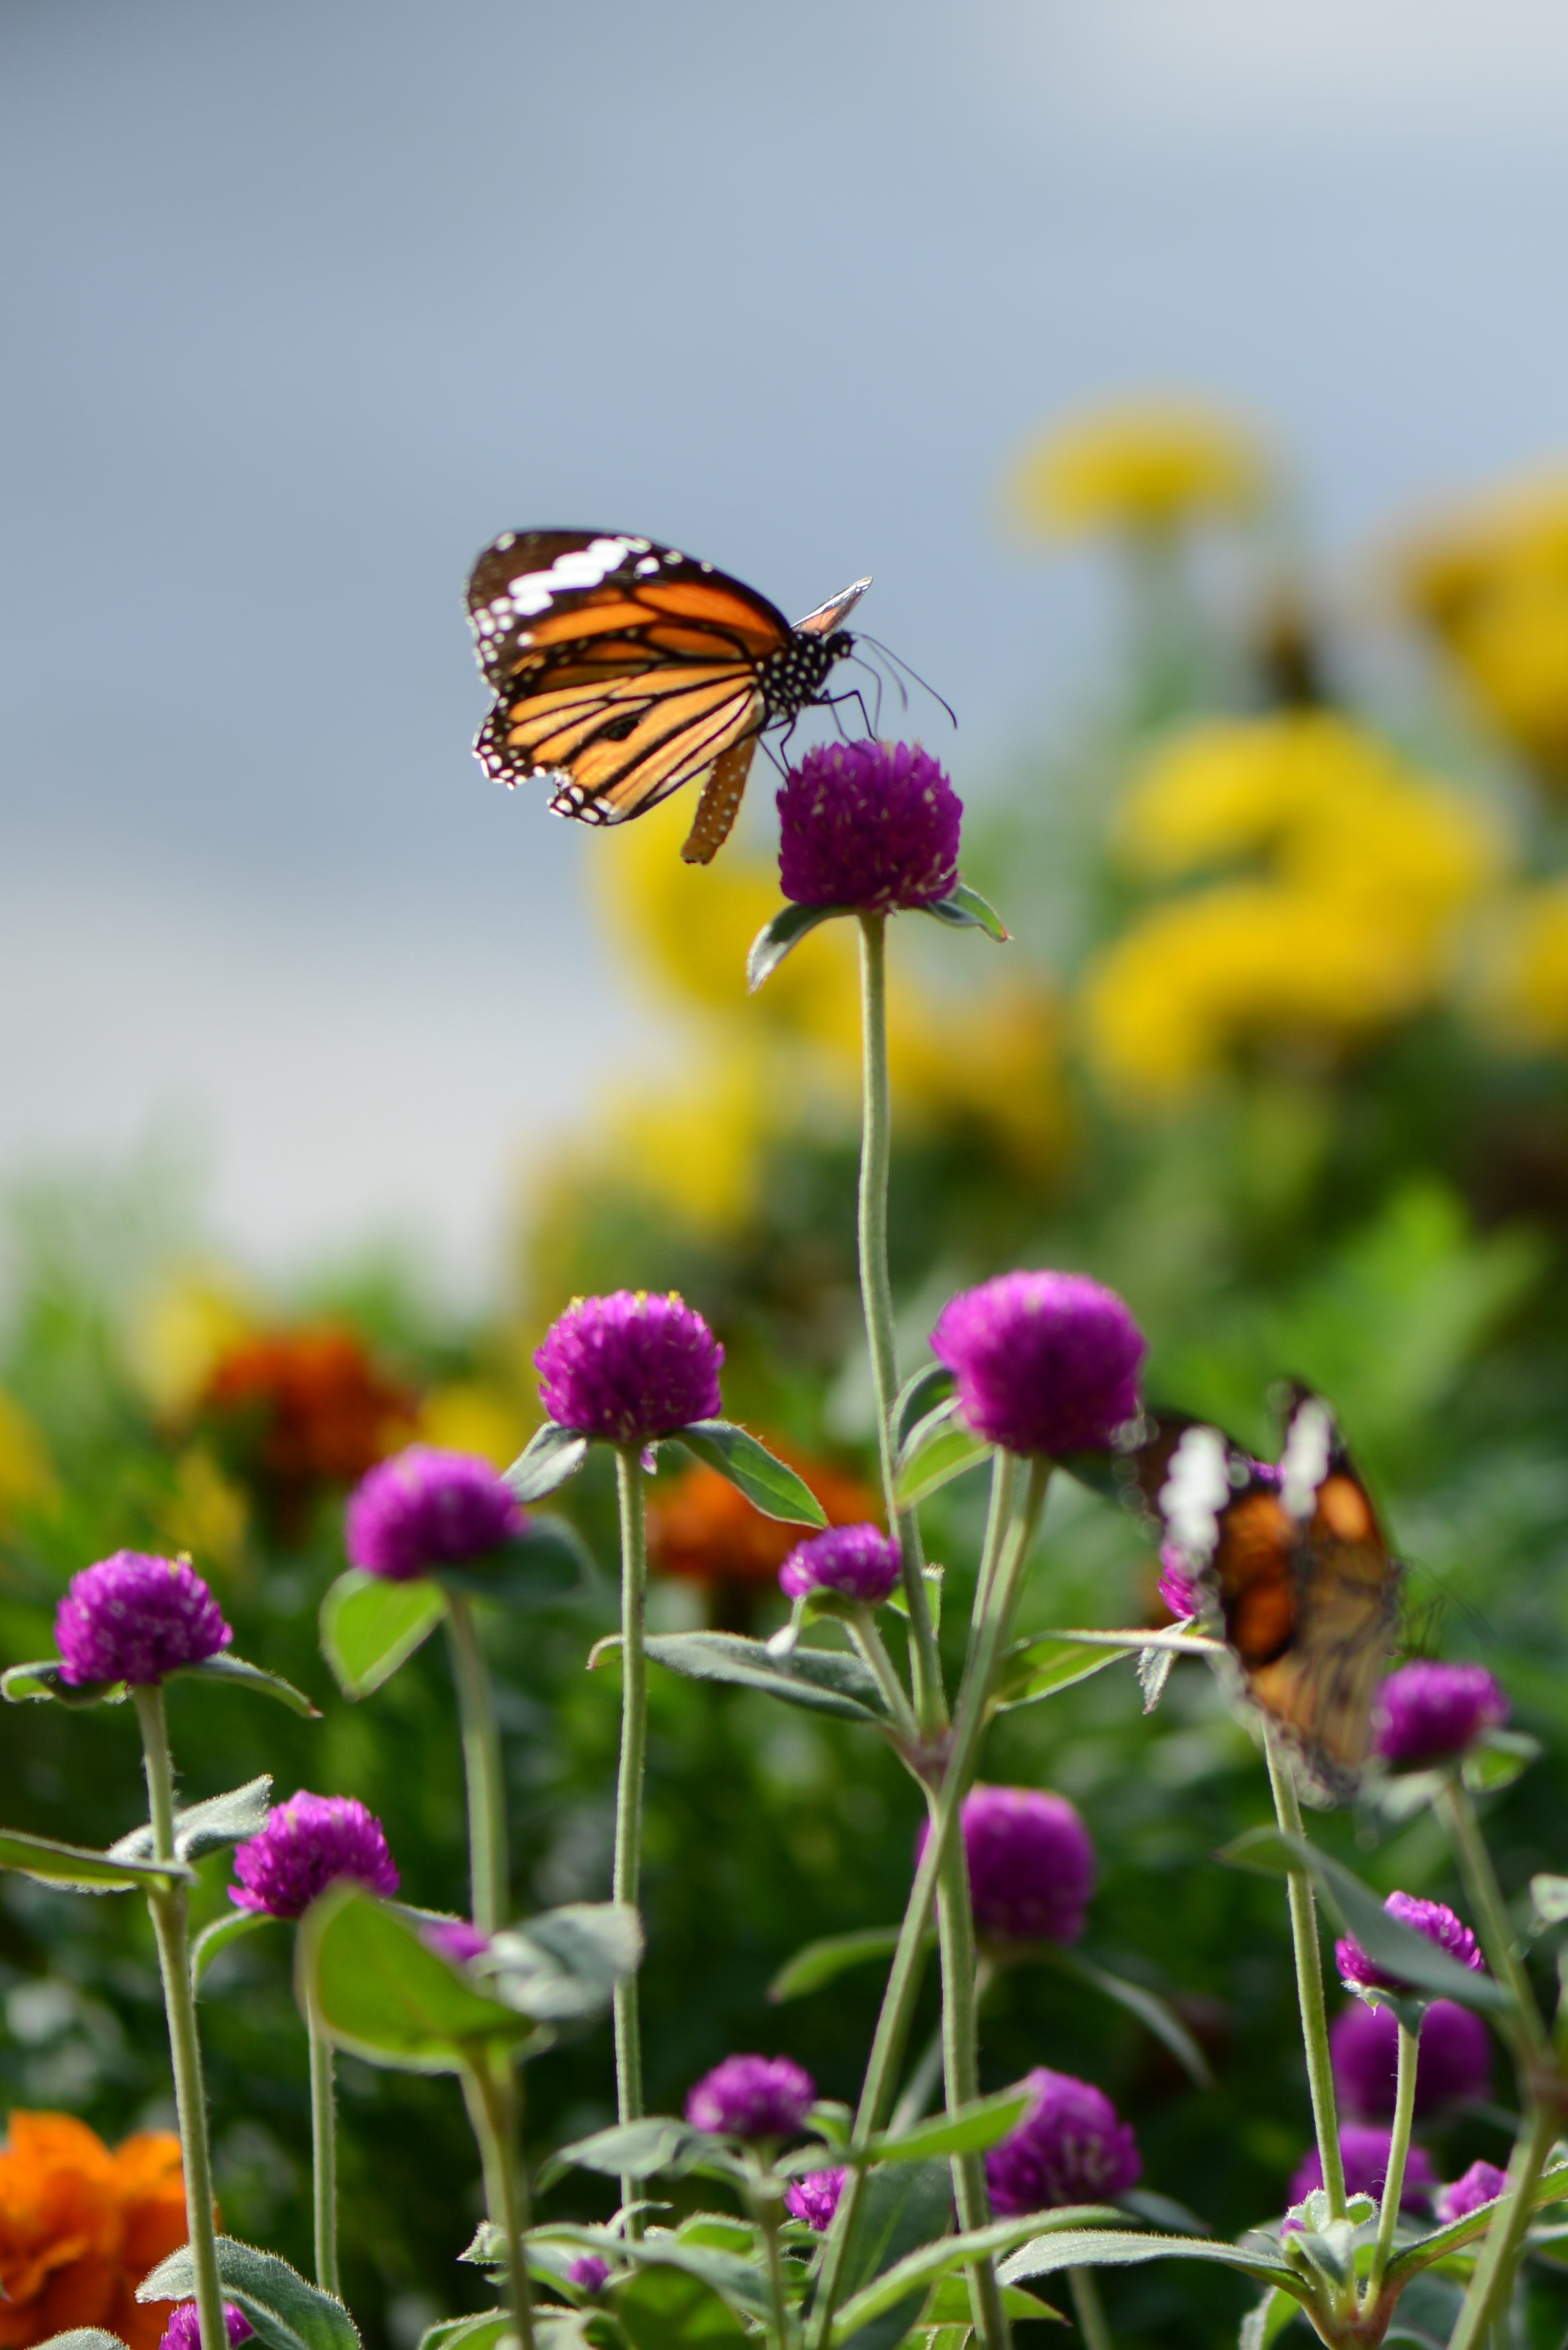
(623, 670)
(1306, 1585)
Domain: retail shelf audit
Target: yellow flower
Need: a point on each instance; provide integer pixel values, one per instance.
(1147, 467)
(1528, 990)
(472, 1415)
(691, 1149)
(181, 1332)
(992, 1065)
(207, 1514)
(26, 1473)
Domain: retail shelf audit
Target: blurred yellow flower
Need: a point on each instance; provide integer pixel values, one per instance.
(993, 1065)
(473, 1416)
(26, 1473)
(207, 1514)
(1146, 466)
(1527, 984)
(181, 1332)
(689, 1148)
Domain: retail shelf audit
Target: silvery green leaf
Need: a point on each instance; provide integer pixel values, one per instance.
(551, 1455)
(207, 1827)
(779, 935)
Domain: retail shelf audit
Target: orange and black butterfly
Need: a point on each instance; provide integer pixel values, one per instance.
(623, 670)
(1296, 1561)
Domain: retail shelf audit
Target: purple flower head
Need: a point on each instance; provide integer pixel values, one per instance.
(455, 1940)
(183, 2331)
(1031, 1864)
(134, 1617)
(1366, 2151)
(859, 1562)
(815, 2199)
(869, 824)
(1045, 1362)
(753, 2097)
(425, 1508)
(1482, 2183)
(590, 2274)
(1454, 2063)
(1432, 1919)
(1178, 1586)
(307, 1844)
(1430, 1712)
(1070, 2148)
(629, 1367)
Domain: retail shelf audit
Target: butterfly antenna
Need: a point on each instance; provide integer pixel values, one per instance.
(924, 683)
(876, 676)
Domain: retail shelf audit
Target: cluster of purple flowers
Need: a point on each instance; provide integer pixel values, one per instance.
(1045, 1362)
(1432, 1920)
(1031, 1864)
(1430, 1712)
(1454, 2066)
(428, 1508)
(136, 1618)
(629, 1367)
(183, 2331)
(1071, 2146)
(857, 1562)
(309, 1842)
(871, 825)
(753, 2097)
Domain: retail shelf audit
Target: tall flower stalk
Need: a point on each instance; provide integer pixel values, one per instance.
(628, 1873)
(1308, 1952)
(483, 1773)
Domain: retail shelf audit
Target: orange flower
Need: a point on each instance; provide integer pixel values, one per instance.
(80, 2227)
(298, 1409)
(704, 1530)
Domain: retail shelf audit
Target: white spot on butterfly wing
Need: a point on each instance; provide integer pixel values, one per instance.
(532, 592)
(1303, 1463)
(1196, 1489)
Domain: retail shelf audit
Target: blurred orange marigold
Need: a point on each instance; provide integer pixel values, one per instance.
(81, 2226)
(300, 1410)
(704, 1530)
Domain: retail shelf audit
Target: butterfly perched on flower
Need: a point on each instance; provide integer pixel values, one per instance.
(623, 670)
(1292, 1553)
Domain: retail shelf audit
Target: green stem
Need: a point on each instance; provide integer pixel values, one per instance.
(1499, 2247)
(1398, 2150)
(487, 1869)
(861, 1625)
(170, 1925)
(1003, 1491)
(493, 2097)
(960, 2055)
(1309, 1984)
(323, 2150)
(627, 1874)
(876, 1296)
(1491, 1910)
(916, 2094)
(765, 2211)
(1090, 2310)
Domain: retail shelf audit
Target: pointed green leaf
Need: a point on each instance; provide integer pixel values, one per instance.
(819, 1964)
(937, 1450)
(920, 1393)
(734, 2278)
(548, 1562)
(1497, 1759)
(950, 2305)
(664, 2308)
(1552, 2186)
(207, 1827)
(783, 932)
(384, 1995)
(370, 1626)
(81, 1869)
(1147, 2005)
(287, 2313)
(216, 1937)
(1119, 2248)
(970, 2130)
(900, 2283)
(630, 2150)
(750, 1468)
(824, 1680)
(965, 910)
(551, 1455)
(902, 2208)
(564, 1964)
(484, 2332)
(1263, 2324)
(46, 1678)
(235, 1669)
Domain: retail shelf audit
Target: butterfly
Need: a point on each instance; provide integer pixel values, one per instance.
(1306, 1585)
(623, 670)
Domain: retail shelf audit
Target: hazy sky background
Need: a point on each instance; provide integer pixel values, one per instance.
(304, 300)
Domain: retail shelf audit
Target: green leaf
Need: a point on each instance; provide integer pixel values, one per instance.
(551, 1455)
(1153, 1671)
(907, 2206)
(385, 1996)
(824, 1680)
(900, 2283)
(1147, 2005)
(370, 1626)
(819, 1963)
(966, 909)
(83, 1870)
(548, 1562)
(1120, 2248)
(666, 2308)
(777, 937)
(484, 2332)
(1549, 1897)
(970, 2130)
(1552, 2186)
(225, 1668)
(287, 2313)
(1264, 2325)
(208, 1827)
(82, 2337)
(630, 2150)
(1497, 1759)
(949, 2303)
(1397, 1949)
(20, 1683)
(1048, 1662)
(937, 1450)
(752, 1471)
(564, 1964)
(216, 1937)
(920, 1393)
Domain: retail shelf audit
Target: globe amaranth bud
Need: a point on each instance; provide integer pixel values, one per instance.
(857, 1561)
(815, 2198)
(1454, 2064)
(1045, 1362)
(629, 1367)
(590, 2274)
(1070, 2148)
(183, 2331)
(871, 825)
(1430, 1712)
(427, 1508)
(753, 2097)
(1431, 1919)
(1031, 1864)
(1366, 2151)
(135, 1618)
(1481, 2184)
(308, 1844)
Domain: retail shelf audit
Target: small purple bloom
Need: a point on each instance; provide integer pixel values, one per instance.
(1031, 1864)
(455, 1940)
(1045, 1362)
(183, 2331)
(134, 1617)
(859, 1562)
(1432, 1919)
(1430, 1712)
(1070, 2148)
(815, 2199)
(753, 2097)
(590, 2274)
(425, 1508)
(874, 825)
(307, 1844)
(1179, 1588)
(1454, 2064)
(1482, 2183)
(1366, 2152)
(629, 1367)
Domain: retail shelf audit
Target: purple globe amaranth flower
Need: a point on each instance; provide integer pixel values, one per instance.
(1432, 1919)
(1366, 2152)
(1481, 2184)
(183, 2331)
(1031, 1864)
(590, 2274)
(1454, 2063)
(134, 1617)
(815, 2199)
(872, 826)
(455, 1940)
(857, 1561)
(753, 2097)
(1430, 1712)
(1179, 1588)
(308, 1844)
(629, 1367)
(1070, 2148)
(1045, 1362)
(426, 1508)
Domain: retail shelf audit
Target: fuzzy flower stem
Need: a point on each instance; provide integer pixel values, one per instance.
(916, 2095)
(877, 1294)
(1398, 2150)
(961, 2066)
(487, 1868)
(323, 2150)
(493, 2092)
(1497, 1937)
(168, 1925)
(628, 1788)
(1003, 1491)
(765, 2211)
(1308, 1986)
(861, 1626)
(1490, 2282)
(1090, 2309)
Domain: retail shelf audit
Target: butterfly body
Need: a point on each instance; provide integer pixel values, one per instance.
(624, 669)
